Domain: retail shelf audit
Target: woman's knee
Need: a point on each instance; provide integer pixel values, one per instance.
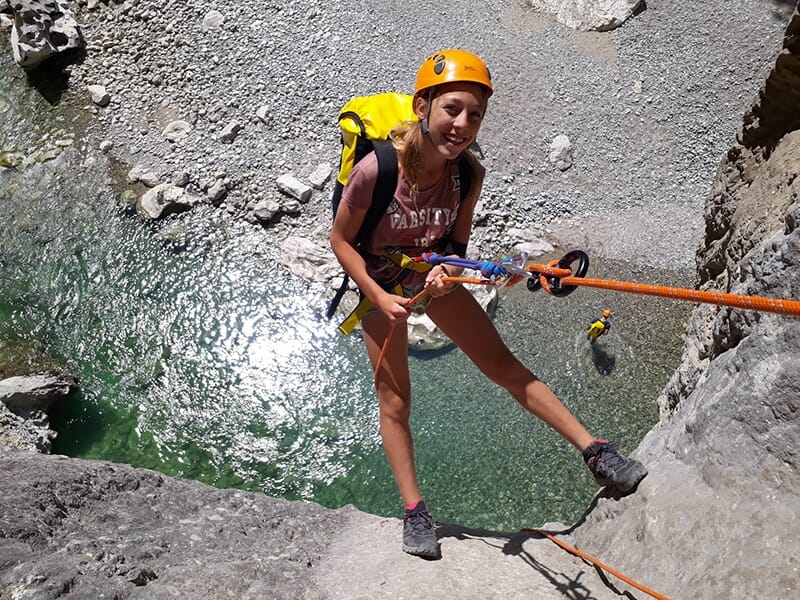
(395, 407)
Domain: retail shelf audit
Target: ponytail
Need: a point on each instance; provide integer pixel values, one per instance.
(408, 140)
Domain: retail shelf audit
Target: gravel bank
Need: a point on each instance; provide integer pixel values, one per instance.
(650, 108)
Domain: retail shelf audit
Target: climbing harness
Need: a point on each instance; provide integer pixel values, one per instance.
(365, 304)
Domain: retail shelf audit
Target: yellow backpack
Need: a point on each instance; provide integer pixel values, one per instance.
(365, 123)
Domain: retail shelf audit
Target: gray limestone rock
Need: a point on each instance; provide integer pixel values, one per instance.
(103, 530)
(100, 529)
(42, 28)
(720, 506)
(23, 433)
(589, 15)
(164, 199)
(35, 392)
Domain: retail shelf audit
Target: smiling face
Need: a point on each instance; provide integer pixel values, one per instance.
(455, 116)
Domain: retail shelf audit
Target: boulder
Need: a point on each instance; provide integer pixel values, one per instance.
(164, 199)
(308, 260)
(29, 434)
(42, 29)
(23, 394)
(561, 152)
(589, 15)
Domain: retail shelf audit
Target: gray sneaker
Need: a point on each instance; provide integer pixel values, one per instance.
(612, 469)
(418, 535)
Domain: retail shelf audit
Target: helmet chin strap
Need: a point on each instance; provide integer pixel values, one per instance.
(426, 130)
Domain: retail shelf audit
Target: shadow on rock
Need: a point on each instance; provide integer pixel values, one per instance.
(51, 77)
(512, 544)
(569, 587)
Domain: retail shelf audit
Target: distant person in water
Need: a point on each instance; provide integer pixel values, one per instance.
(599, 327)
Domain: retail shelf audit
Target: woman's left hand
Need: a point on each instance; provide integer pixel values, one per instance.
(435, 284)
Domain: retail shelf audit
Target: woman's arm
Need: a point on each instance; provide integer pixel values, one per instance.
(345, 228)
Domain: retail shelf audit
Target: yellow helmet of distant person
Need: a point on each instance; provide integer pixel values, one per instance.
(606, 313)
(450, 65)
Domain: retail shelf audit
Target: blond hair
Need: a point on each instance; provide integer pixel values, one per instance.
(408, 139)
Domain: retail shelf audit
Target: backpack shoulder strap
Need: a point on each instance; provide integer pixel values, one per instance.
(382, 195)
(385, 185)
(464, 176)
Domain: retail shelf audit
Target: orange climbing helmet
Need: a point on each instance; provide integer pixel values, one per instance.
(452, 65)
(607, 313)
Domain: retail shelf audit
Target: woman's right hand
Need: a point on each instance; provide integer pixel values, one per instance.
(394, 308)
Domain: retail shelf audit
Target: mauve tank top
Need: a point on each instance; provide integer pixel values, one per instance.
(408, 226)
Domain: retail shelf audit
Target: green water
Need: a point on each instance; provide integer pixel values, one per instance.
(199, 356)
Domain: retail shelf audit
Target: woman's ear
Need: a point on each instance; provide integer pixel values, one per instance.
(420, 104)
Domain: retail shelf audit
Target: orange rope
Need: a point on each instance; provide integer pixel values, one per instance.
(775, 305)
(597, 563)
(382, 354)
(411, 303)
(760, 303)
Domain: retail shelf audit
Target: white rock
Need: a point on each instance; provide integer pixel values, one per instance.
(213, 20)
(266, 210)
(230, 132)
(588, 15)
(263, 113)
(307, 260)
(320, 176)
(162, 200)
(533, 248)
(142, 174)
(561, 152)
(528, 241)
(99, 95)
(42, 29)
(291, 186)
(217, 191)
(176, 130)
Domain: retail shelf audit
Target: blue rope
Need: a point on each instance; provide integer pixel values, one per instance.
(489, 269)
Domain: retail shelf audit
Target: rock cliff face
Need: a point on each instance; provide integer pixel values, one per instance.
(87, 529)
(713, 518)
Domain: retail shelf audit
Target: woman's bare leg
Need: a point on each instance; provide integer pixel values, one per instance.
(394, 396)
(462, 319)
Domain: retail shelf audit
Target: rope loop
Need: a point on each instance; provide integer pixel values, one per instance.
(551, 282)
